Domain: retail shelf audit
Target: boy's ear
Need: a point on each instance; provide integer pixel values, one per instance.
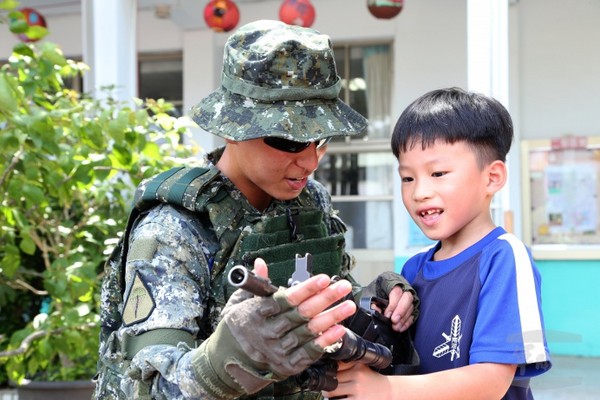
(497, 176)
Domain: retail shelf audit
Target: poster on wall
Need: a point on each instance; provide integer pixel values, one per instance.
(561, 194)
(571, 196)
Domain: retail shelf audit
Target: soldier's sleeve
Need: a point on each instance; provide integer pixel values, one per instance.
(167, 289)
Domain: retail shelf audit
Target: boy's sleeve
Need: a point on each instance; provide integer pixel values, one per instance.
(510, 326)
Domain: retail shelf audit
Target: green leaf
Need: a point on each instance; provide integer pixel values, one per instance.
(9, 4)
(18, 25)
(152, 151)
(8, 101)
(36, 32)
(16, 370)
(44, 348)
(23, 49)
(8, 215)
(53, 54)
(118, 126)
(56, 286)
(122, 155)
(32, 173)
(11, 261)
(165, 121)
(32, 366)
(27, 245)
(33, 193)
(83, 173)
(9, 141)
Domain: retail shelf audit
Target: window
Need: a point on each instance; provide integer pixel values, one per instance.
(358, 171)
(74, 82)
(161, 77)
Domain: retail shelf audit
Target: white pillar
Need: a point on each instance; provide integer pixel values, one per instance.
(487, 37)
(109, 37)
(202, 59)
(488, 73)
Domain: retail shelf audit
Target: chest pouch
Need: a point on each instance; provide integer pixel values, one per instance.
(278, 239)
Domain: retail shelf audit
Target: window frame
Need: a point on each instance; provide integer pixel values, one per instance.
(361, 145)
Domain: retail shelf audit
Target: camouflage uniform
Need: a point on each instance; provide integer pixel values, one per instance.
(165, 284)
(178, 258)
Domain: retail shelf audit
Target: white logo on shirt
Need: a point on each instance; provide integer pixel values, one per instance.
(452, 343)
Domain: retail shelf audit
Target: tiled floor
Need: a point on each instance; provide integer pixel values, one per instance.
(570, 378)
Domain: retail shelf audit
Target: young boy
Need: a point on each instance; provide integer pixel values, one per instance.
(480, 334)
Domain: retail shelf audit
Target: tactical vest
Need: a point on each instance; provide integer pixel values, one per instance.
(241, 234)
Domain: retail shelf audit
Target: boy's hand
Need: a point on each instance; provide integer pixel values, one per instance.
(400, 309)
(403, 302)
(358, 381)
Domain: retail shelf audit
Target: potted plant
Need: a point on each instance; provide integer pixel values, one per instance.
(69, 165)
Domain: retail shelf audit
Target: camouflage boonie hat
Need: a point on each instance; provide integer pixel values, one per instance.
(278, 80)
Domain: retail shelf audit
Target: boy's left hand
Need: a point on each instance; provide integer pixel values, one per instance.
(400, 309)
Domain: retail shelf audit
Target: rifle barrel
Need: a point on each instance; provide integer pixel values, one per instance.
(241, 277)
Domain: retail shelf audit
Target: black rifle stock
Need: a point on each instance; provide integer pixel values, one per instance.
(369, 337)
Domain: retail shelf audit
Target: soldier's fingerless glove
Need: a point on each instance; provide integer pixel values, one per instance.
(259, 340)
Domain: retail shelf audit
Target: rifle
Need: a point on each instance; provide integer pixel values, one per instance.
(369, 337)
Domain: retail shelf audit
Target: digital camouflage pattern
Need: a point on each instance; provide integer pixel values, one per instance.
(158, 306)
(278, 80)
(177, 261)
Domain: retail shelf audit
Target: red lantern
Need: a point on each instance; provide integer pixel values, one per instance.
(297, 12)
(385, 9)
(221, 15)
(33, 18)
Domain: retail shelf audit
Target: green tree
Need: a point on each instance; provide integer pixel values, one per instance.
(69, 165)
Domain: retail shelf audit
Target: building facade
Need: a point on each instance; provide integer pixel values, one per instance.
(539, 57)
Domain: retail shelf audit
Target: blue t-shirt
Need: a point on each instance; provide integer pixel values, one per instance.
(482, 305)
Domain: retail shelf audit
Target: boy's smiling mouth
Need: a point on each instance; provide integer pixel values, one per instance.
(430, 212)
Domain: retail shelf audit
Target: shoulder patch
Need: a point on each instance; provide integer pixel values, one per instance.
(142, 249)
(139, 303)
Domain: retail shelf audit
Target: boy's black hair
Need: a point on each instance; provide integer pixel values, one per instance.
(452, 115)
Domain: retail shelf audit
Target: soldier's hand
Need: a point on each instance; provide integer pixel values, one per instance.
(265, 339)
(312, 298)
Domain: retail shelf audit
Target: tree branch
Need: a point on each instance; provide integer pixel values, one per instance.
(22, 284)
(37, 335)
(12, 166)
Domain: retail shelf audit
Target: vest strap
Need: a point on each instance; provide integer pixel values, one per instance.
(153, 186)
(177, 191)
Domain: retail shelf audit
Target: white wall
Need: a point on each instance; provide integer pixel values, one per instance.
(430, 49)
(559, 67)
(156, 35)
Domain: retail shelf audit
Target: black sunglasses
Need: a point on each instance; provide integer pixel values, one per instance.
(289, 146)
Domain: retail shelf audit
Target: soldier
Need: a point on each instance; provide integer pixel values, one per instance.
(167, 328)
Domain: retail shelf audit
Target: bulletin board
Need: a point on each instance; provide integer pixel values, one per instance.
(561, 197)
